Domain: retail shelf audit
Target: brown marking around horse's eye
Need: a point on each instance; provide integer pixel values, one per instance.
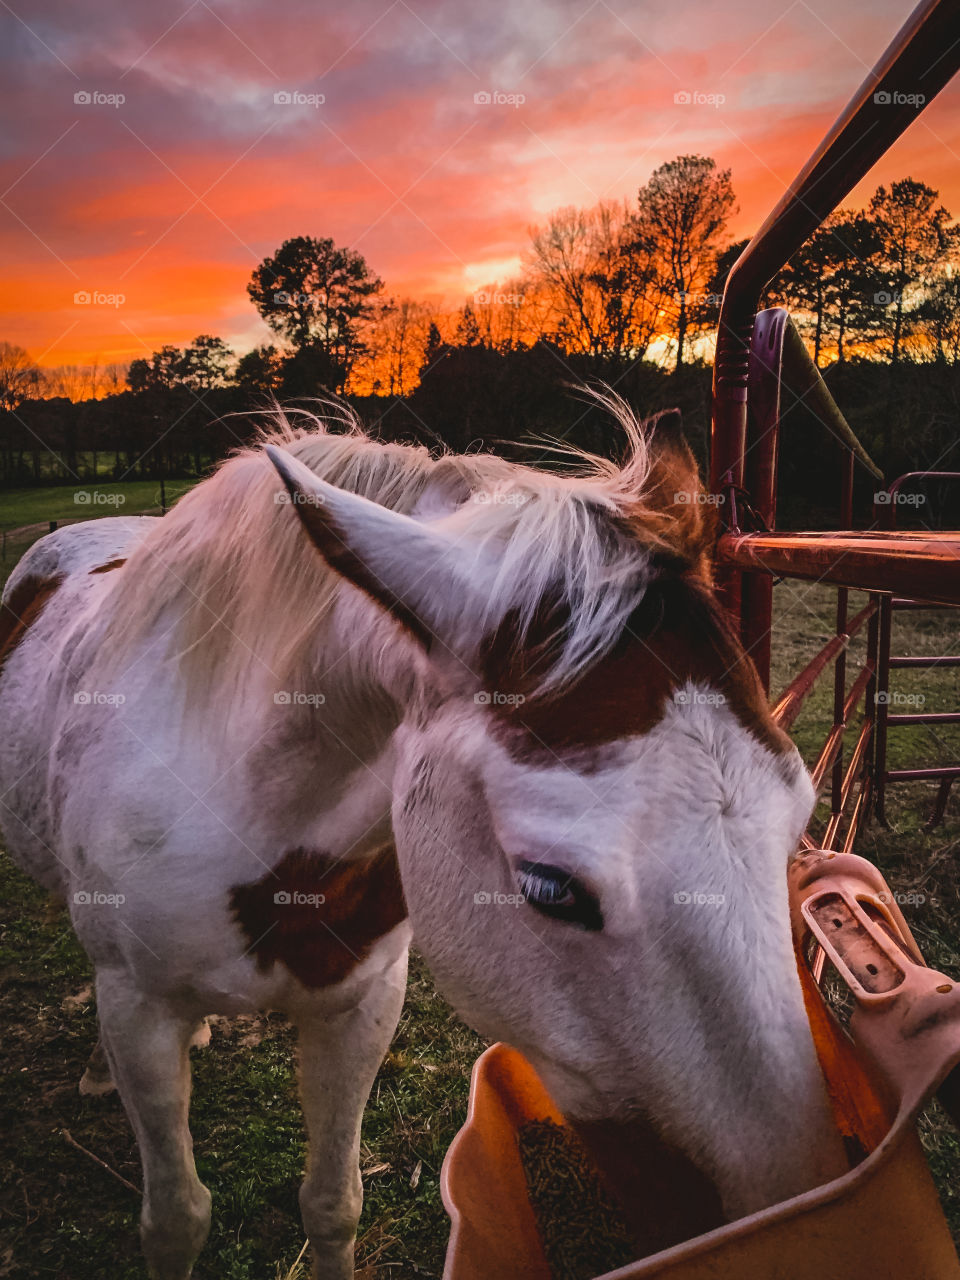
(513, 660)
(110, 565)
(677, 633)
(320, 942)
(22, 609)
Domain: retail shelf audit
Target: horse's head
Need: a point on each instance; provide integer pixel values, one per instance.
(594, 813)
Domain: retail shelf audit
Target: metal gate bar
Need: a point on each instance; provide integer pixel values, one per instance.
(760, 362)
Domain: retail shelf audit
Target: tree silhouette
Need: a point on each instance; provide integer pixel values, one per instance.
(435, 351)
(599, 284)
(260, 371)
(939, 316)
(395, 342)
(163, 369)
(852, 265)
(830, 281)
(317, 296)
(468, 331)
(682, 214)
(20, 379)
(915, 239)
(205, 363)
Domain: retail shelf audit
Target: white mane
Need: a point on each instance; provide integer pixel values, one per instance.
(232, 580)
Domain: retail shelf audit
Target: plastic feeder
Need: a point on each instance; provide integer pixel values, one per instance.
(883, 1218)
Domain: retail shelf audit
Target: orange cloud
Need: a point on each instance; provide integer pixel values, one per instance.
(171, 197)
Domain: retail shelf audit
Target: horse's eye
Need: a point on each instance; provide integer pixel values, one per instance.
(556, 893)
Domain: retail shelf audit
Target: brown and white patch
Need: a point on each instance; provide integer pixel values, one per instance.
(22, 608)
(320, 916)
(677, 635)
(110, 565)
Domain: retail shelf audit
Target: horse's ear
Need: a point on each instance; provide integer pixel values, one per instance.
(417, 573)
(675, 489)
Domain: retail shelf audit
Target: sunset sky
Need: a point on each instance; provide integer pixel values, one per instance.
(169, 198)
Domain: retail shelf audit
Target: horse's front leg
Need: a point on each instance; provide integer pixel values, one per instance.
(147, 1046)
(339, 1058)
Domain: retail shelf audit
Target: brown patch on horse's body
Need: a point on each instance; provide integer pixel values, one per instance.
(677, 634)
(320, 942)
(22, 609)
(111, 564)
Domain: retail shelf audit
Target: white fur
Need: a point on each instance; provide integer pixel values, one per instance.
(184, 776)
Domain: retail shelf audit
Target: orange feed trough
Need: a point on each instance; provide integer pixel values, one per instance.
(883, 1218)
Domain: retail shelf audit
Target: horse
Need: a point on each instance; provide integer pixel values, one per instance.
(347, 693)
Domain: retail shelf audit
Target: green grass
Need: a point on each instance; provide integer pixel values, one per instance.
(27, 512)
(63, 1215)
(101, 498)
(913, 860)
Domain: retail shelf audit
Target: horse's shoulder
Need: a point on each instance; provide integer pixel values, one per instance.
(93, 546)
(79, 548)
(320, 916)
(20, 608)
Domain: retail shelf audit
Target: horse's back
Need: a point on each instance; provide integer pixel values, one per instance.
(44, 593)
(76, 548)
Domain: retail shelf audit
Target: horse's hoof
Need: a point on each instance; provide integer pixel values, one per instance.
(94, 1085)
(201, 1037)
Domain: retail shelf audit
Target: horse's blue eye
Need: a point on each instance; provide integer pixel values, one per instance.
(556, 893)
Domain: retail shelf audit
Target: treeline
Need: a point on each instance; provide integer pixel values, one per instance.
(627, 292)
(907, 416)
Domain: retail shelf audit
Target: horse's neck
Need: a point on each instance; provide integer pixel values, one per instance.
(325, 757)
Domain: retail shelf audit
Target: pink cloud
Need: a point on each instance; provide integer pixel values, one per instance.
(399, 159)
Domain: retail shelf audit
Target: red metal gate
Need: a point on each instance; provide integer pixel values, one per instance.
(760, 363)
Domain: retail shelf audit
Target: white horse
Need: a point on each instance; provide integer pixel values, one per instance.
(213, 737)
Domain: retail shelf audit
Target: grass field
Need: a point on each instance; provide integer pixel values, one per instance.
(68, 502)
(63, 1214)
(25, 514)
